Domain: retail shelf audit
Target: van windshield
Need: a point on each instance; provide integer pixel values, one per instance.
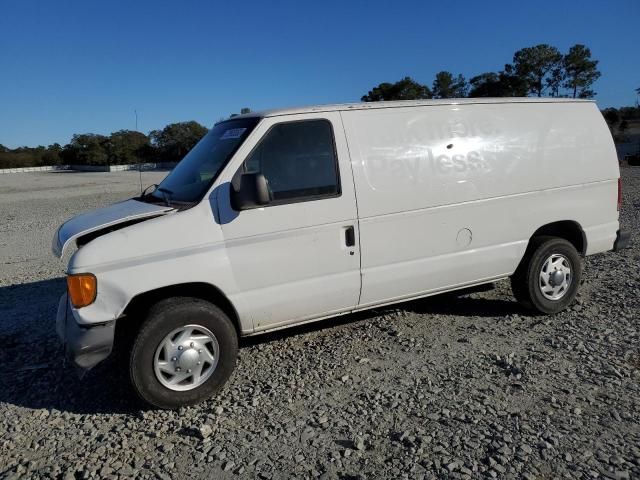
(196, 172)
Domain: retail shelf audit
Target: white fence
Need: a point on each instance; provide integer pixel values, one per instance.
(34, 169)
(92, 168)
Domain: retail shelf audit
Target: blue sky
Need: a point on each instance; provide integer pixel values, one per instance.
(83, 66)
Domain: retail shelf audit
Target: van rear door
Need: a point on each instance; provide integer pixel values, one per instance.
(296, 258)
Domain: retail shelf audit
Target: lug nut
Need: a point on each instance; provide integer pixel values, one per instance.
(192, 344)
(199, 350)
(188, 370)
(173, 359)
(178, 369)
(199, 363)
(180, 347)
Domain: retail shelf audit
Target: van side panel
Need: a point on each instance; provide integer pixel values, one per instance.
(450, 194)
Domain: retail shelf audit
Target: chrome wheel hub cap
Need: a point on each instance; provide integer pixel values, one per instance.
(555, 277)
(186, 358)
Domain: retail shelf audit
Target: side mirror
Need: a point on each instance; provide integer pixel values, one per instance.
(252, 192)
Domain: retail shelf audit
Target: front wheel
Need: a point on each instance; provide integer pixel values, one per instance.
(184, 352)
(548, 277)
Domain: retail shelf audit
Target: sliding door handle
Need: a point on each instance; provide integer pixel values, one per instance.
(350, 237)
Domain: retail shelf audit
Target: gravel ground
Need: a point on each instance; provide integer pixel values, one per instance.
(455, 386)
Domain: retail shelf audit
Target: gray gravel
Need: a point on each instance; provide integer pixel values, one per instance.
(455, 386)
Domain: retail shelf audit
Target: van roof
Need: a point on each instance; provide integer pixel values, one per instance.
(404, 103)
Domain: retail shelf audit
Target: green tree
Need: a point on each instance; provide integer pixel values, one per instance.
(51, 156)
(501, 84)
(126, 147)
(555, 81)
(86, 149)
(612, 116)
(622, 128)
(174, 141)
(629, 113)
(580, 71)
(405, 89)
(446, 86)
(535, 65)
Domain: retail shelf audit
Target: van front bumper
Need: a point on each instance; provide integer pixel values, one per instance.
(85, 346)
(623, 239)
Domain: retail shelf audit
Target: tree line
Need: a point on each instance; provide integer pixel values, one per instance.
(122, 147)
(541, 70)
(619, 119)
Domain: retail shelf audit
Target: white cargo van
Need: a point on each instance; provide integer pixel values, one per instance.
(289, 216)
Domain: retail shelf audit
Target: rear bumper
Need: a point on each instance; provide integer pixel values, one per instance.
(623, 239)
(85, 346)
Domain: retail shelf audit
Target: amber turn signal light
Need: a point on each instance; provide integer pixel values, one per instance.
(82, 289)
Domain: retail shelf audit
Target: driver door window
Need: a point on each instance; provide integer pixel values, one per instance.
(299, 161)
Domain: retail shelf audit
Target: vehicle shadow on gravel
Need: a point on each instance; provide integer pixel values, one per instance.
(34, 376)
(452, 303)
(458, 303)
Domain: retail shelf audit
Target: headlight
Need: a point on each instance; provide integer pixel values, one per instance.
(82, 288)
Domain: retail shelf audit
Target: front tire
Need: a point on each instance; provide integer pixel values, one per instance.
(184, 352)
(548, 276)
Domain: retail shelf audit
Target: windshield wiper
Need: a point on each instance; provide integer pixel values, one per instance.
(166, 195)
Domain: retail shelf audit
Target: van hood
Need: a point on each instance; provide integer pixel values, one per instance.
(122, 213)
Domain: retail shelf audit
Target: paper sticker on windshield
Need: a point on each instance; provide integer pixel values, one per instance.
(232, 133)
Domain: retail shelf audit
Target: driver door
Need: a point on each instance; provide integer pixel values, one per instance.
(296, 258)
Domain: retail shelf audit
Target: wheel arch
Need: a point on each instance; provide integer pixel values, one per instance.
(570, 230)
(136, 308)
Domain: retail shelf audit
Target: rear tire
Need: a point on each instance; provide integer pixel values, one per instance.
(182, 335)
(548, 276)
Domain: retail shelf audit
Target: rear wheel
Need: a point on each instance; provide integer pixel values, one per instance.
(184, 352)
(548, 277)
